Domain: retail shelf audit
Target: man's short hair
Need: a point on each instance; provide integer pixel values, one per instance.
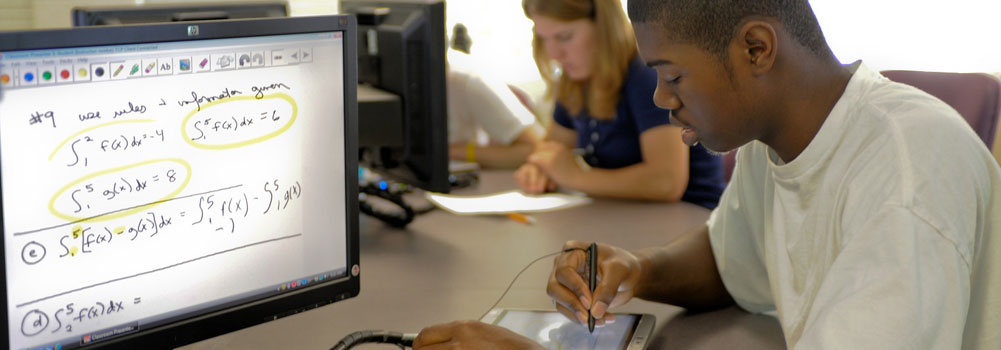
(711, 24)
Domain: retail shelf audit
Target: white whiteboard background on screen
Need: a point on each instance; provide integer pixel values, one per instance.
(168, 201)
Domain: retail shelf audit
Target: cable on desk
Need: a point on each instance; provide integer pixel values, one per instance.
(403, 340)
(395, 219)
(393, 194)
(463, 180)
(519, 275)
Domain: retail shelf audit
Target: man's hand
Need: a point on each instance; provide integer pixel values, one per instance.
(471, 335)
(619, 272)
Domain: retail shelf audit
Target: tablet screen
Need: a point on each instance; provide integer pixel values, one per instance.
(554, 331)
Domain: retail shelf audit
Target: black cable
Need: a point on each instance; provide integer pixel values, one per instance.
(519, 275)
(404, 340)
(400, 219)
(384, 337)
(463, 180)
(425, 210)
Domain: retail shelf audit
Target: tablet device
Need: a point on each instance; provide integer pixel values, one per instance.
(554, 331)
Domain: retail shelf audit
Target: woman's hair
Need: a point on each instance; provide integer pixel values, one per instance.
(615, 47)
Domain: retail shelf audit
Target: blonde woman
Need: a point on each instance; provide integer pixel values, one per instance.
(608, 138)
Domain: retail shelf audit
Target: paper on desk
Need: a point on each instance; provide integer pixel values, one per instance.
(505, 202)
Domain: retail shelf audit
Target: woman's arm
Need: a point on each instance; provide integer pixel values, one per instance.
(561, 134)
(662, 175)
(501, 156)
(530, 177)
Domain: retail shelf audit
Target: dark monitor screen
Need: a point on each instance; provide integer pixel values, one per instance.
(163, 184)
(158, 13)
(402, 100)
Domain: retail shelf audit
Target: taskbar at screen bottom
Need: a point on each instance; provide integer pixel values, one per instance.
(92, 338)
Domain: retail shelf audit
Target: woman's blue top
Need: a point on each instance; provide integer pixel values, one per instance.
(615, 143)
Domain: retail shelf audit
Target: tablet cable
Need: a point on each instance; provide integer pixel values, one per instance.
(405, 340)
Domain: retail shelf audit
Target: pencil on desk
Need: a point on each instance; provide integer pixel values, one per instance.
(522, 218)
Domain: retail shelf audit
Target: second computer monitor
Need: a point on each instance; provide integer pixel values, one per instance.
(403, 128)
(158, 13)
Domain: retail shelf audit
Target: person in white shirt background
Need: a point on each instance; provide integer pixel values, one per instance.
(863, 213)
(488, 123)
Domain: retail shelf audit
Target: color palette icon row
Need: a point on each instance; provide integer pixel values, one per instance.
(34, 74)
(44, 75)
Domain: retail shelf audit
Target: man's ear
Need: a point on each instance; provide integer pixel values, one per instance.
(756, 44)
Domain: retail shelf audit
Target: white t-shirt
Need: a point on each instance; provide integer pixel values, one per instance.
(478, 101)
(882, 234)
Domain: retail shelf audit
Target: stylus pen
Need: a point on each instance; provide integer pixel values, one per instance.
(592, 264)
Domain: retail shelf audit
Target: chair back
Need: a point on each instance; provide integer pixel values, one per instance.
(976, 96)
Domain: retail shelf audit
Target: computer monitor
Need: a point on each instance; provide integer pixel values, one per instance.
(163, 184)
(158, 13)
(403, 126)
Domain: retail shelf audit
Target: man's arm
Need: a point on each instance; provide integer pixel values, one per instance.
(682, 273)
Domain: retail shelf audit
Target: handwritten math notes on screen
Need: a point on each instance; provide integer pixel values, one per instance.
(177, 179)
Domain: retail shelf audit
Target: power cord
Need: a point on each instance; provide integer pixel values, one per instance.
(519, 275)
(404, 340)
(395, 219)
(371, 185)
(383, 337)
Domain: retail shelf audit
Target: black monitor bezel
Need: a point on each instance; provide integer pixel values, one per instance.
(91, 15)
(252, 313)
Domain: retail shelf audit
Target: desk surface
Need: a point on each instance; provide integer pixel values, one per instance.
(444, 267)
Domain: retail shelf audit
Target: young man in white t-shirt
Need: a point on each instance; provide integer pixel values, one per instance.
(864, 214)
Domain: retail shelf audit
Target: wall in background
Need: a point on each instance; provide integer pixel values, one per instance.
(960, 35)
(38, 14)
(957, 36)
(15, 14)
(501, 34)
(953, 36)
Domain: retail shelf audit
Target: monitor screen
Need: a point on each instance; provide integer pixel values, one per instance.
(167, 183)
(155, 13)
(403, 128)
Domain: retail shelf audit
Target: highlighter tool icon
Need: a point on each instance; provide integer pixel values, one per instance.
(135, 69)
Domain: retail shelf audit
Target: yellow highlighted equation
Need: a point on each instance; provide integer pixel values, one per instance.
(61, 144)
(123, 213)
(265, 137)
